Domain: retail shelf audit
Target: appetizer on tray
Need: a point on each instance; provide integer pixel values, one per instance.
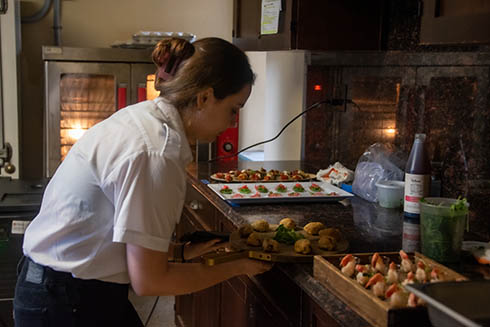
(258, 192)
(386, 278)
(373, 284)
(283, 242)
(289, 240)
(262, 175)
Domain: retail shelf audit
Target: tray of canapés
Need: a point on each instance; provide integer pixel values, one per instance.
(283, 242)
(372, 284)
(279, 192)
(262, 175)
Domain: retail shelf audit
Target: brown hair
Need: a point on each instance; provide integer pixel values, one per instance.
(209, 62)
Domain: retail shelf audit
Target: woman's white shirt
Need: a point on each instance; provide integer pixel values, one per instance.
(122, 182)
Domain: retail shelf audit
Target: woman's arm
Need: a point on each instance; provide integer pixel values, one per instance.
(151, 273)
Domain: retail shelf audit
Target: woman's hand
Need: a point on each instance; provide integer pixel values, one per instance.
(194, 250)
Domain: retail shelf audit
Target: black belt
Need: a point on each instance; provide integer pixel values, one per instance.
(38, 274)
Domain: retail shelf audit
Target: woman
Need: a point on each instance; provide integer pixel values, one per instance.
(110, 210)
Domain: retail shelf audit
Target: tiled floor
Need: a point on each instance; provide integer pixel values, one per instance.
(163, 316)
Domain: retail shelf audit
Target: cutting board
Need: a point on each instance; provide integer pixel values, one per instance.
(240, 249)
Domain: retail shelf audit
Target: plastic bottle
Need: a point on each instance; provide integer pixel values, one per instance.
(417, 186)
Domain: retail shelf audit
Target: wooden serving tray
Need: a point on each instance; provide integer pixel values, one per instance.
(286, 252)
(374, 310)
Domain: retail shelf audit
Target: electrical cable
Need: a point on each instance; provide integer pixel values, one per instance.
(331, 102)
(151, 311)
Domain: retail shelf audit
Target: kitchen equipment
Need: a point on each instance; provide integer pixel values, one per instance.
(456, 304)
(20, 201)
(83, 87)
(442, 224)
(361, 300)
(227, 142)
(236, 195)
(390, 193)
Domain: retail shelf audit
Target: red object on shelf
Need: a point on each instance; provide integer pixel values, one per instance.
(227, 142)
(141, 92)
(122, 91)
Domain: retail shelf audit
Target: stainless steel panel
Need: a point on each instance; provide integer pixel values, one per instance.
(464, 303)
(97, 54)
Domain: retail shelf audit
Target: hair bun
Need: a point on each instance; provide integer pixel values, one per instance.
(168, 54)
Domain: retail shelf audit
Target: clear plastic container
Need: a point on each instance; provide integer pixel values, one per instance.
(442, 225)
(390, 193)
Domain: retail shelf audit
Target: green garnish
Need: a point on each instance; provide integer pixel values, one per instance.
(281, 188)
(261, 189)
(315, 188)
(244, 189)
(287, 236)
(461, 204)
(298, 188)
(226, 190)
(442, 226)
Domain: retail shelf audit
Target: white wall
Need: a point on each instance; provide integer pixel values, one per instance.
(278, 96)
(98, 23)
(251, 123)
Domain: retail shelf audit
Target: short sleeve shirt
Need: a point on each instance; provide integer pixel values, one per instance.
(122, 182)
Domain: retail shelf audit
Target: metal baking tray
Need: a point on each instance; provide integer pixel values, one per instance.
(464, 303)
(306, 196)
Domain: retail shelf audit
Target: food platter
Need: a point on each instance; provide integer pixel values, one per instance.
(375, 310)
(285, 252)
(261, 175)
(249, 193)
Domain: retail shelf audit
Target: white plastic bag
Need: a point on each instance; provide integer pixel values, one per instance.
(335, 174)
(378, 162)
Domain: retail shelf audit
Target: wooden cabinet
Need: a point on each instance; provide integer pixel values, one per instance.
(311, 25)
(316, 317)
(455, 22)
(199, 308)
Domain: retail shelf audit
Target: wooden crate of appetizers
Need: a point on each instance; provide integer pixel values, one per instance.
(375, 310)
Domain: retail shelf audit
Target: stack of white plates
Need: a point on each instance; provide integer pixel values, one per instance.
(146, 39)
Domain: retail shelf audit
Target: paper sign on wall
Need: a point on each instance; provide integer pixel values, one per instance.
(269, 20)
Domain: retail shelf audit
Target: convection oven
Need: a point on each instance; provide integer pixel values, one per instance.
(84, 86)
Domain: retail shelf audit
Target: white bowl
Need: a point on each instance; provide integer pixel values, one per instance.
(390, 193)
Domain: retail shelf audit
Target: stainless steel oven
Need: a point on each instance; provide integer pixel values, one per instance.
(84, 86)
(19, 203)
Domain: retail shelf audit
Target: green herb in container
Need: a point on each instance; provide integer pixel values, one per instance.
(442, 225)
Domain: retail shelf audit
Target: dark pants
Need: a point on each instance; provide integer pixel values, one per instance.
(45, 297)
